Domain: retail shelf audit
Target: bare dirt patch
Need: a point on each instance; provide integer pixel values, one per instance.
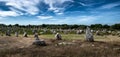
(22, 47)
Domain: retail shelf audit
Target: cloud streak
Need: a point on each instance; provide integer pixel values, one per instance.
(53, 5)
(8, 13)
(44, 17)
(110, 5)
(26, 5)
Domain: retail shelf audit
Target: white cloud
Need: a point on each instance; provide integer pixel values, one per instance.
(8, 13)
(83, 4)
(44, 17)
(52, 5)
(28, 6)
(87, 18)
(15, 10)
(60, 13)
(110, 5)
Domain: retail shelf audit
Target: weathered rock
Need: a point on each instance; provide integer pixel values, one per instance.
(16, 34)
(89, 35)
(8, 33)
(79, 31)
(65, 43)
(65, 32)
(34, 31)
(25, 34)
(36, 36)
(58, 36)
(53, 31)
(98, 32)
(37, 41)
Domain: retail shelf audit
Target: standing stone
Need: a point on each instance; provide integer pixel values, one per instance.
(25, 34)
(34, 31)
(58, 36)
(37, 41)
(16, 34)
(98, 32)
(54, 32)
(8, 33)
(36, 35)
(65, 32)
(92, 31)
(44, 31)
(79, 32)
(89, 35)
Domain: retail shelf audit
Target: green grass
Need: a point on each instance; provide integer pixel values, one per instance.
(74, 36)
(81, 37)
(64, 36)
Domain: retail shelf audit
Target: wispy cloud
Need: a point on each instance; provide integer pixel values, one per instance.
(8, 13)
(83, 4)
(110, 5)
(27, 5)
(53, 5)
(44, 17)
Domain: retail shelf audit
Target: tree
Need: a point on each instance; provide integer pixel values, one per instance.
(116, 26)
(17, 25)
(96, 26)
(106, 26)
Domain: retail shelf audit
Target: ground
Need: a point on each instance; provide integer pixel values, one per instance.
(72, 45)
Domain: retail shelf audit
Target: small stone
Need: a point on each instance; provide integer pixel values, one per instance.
(16, 34)
(8, 33)
(58, 36)
(93, 45)
(39, 43)
(25, 34)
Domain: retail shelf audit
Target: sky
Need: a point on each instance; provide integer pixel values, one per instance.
(38, 12)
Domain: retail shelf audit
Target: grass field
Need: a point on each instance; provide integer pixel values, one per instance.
(104, 46)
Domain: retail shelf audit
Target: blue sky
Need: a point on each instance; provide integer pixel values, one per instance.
(37, 12)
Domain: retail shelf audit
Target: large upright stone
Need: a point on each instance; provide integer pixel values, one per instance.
(89, 35)
(58, 36)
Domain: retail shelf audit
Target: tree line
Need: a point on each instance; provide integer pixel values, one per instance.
(66, 26)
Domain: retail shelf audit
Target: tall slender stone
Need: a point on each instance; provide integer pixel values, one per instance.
(89, 35)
